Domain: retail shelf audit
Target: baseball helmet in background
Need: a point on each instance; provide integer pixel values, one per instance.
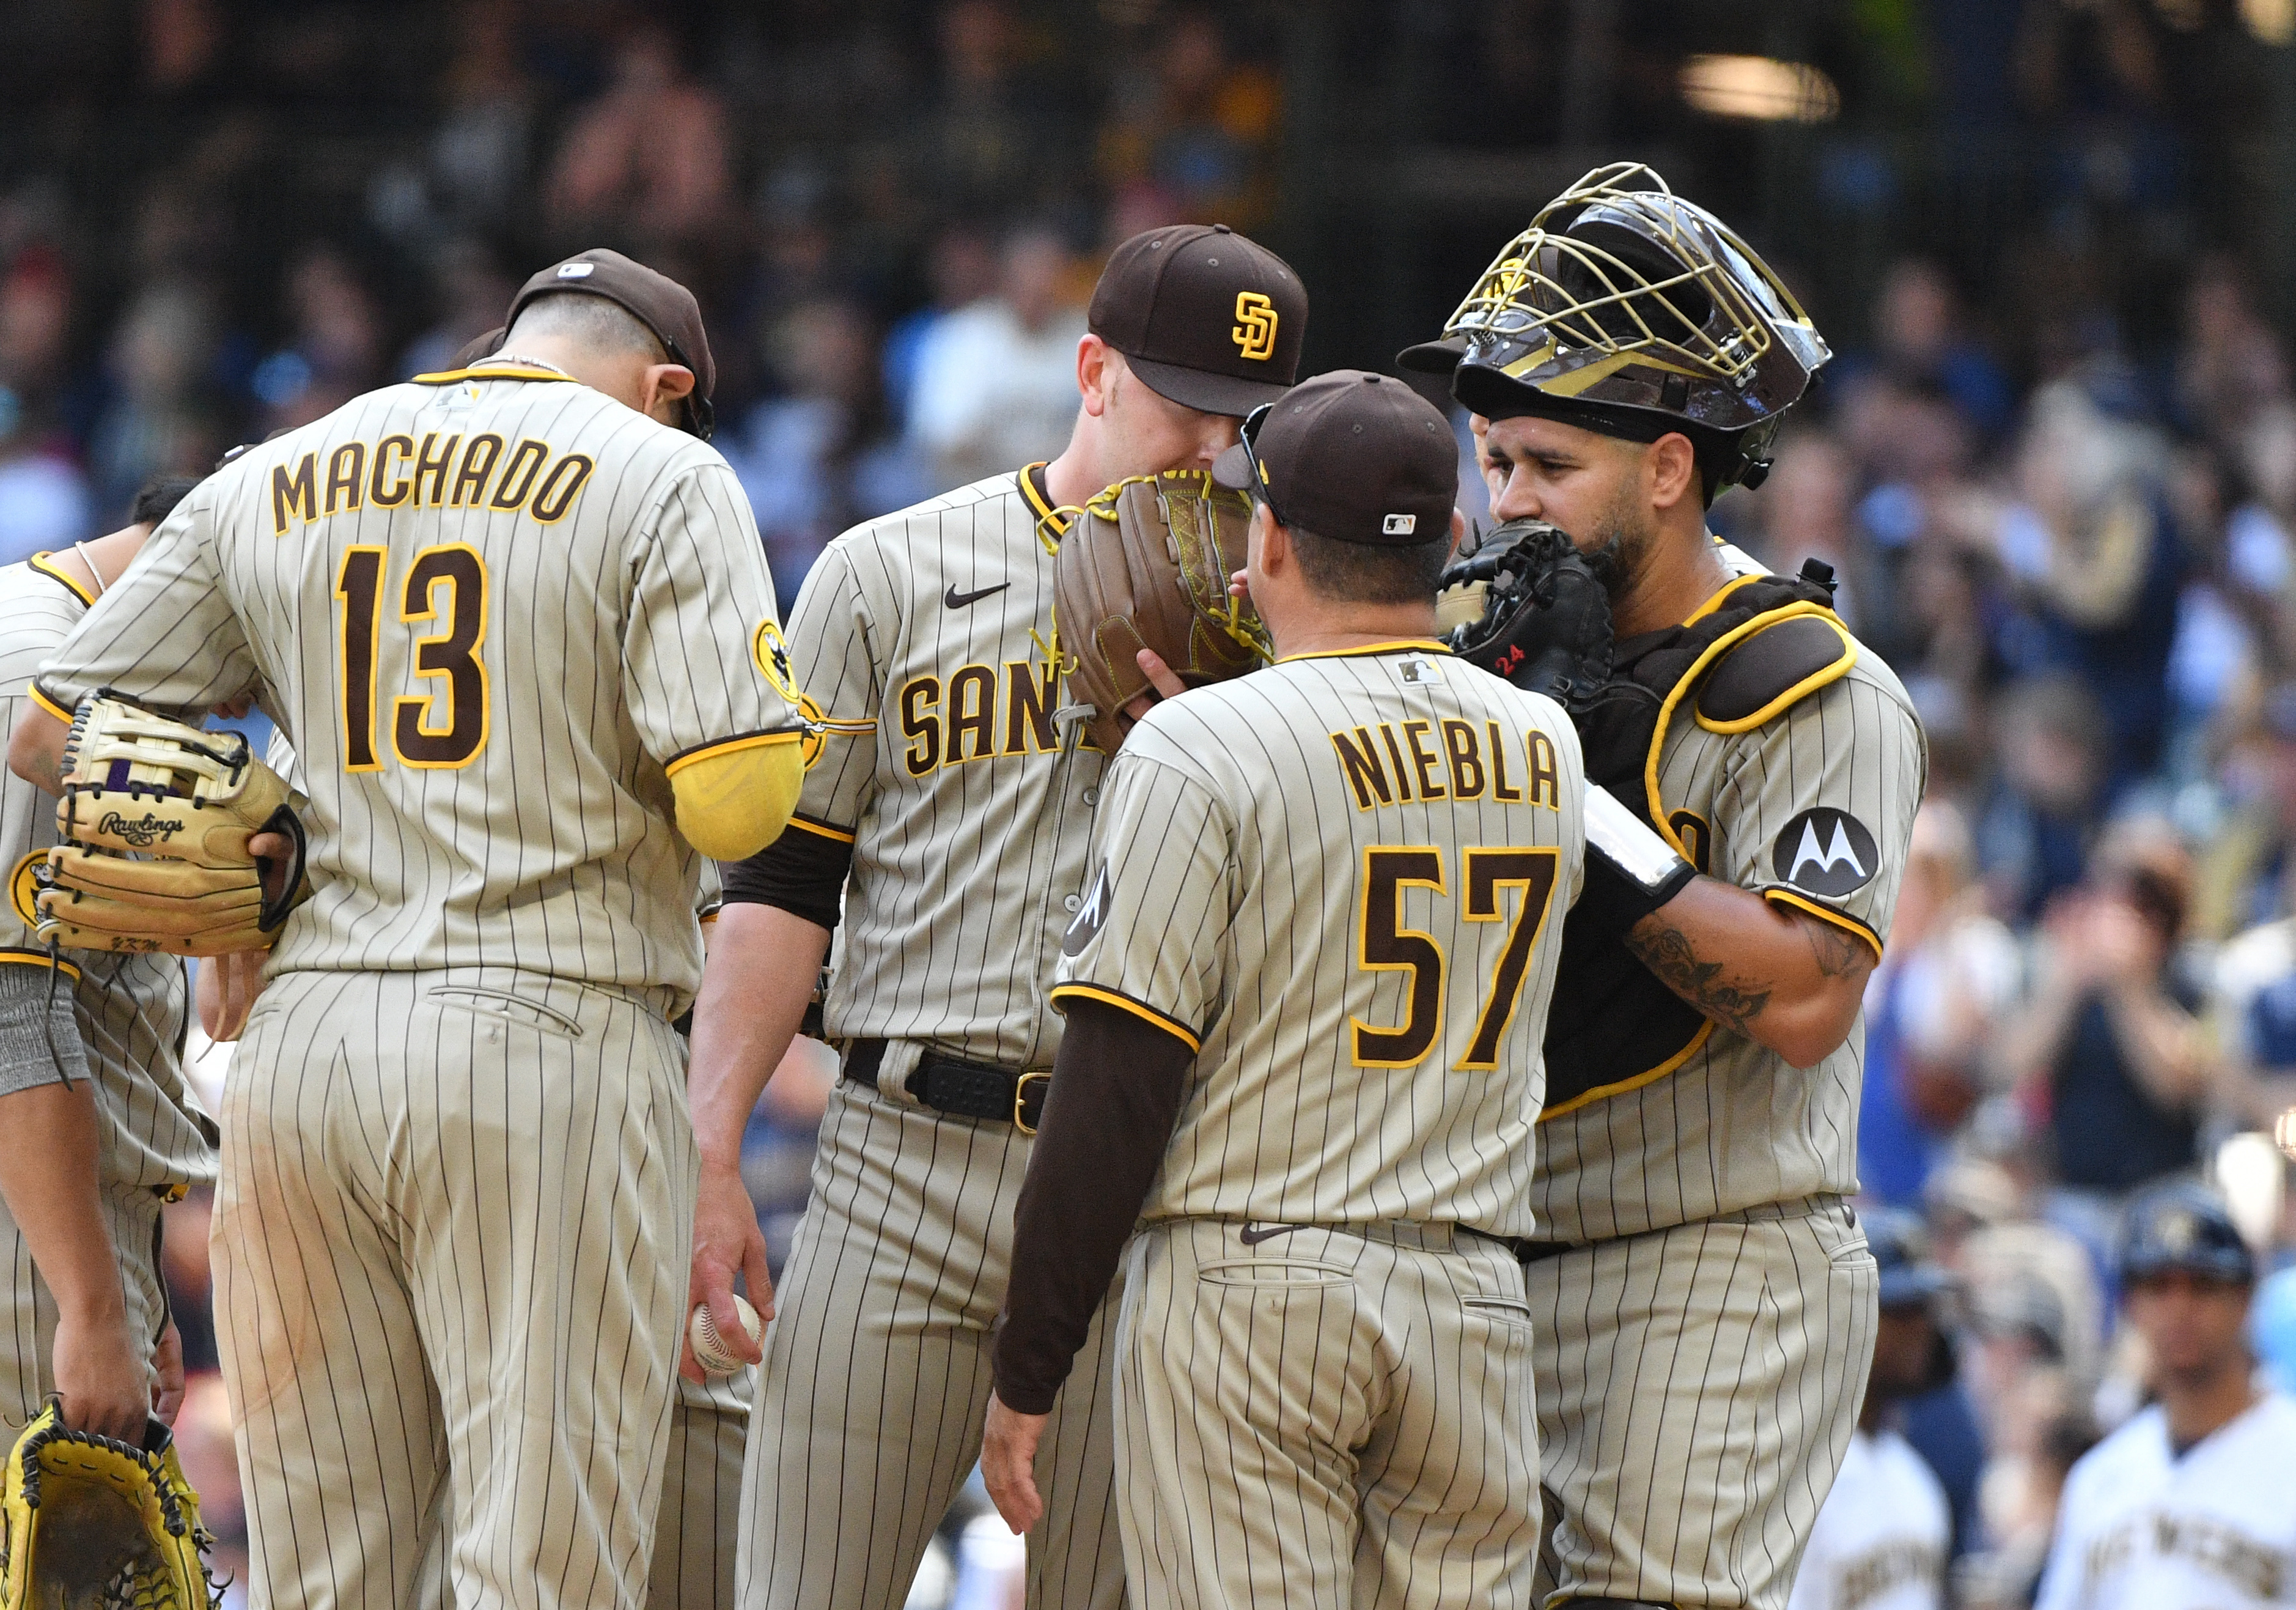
(1626, 310)
(2183, 1226)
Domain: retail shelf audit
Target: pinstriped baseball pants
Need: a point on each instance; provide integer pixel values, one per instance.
(451, 1240)
(1326, 1419)
(1697, 1387)
(877, 1376)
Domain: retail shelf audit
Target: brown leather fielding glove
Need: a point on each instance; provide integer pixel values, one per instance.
(1146, 565)
(155, 819)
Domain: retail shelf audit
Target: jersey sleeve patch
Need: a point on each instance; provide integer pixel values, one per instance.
(1090, 916)
(1771, 670)
(1825, 852)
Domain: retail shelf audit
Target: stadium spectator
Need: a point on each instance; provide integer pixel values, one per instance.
(2108, 1050)
(820, 458)
(995, 380)
(1932, 1010)
(648, 161)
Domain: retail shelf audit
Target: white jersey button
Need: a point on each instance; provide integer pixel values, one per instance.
(1073, 901)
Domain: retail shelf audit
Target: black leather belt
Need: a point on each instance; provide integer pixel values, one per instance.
(961, 1089)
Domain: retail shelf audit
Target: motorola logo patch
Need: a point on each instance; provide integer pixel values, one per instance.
(1825, 851)
(1089, 916)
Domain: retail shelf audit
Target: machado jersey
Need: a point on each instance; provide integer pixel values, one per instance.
(2141, 1527)
(1810, 801)
(924, 641)
(132, 1009)
(1882, 1536)
(1420, 806)
(493, 611)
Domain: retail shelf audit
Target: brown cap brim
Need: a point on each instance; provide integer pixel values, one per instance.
(1222, 394)
(1233, 470)
(1432, 358)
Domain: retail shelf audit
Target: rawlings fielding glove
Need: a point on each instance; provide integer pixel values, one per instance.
(155, 817)
(1525, 604)
(1146, 565)
(94, 1522)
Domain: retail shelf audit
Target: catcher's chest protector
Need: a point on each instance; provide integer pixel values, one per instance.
(1774, 640)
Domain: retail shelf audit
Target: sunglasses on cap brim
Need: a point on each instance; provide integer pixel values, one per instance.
(1248, 435)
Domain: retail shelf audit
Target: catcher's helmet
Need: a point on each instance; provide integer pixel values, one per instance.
(1624, 308)
(2183, 1226)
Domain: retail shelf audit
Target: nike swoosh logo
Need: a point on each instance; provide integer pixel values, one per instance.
(957, 600)
(1253, 1235)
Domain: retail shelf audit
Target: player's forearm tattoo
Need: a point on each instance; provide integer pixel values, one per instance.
(1667, 952)
(1838, 953)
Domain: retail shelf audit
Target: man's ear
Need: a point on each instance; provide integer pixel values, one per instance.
(1094, 363)
(1458, 535)
(1272, 542)
(662, 388)
(1670, 470)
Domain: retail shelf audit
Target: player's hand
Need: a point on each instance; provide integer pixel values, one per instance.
(274, 852)
(1160, 677)
(167, 1360)
(1008, 1463)
(227, 987)
(726, 1242)
(100, 1377)
(1238, 585)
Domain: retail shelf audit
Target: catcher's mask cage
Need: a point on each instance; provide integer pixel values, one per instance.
(1628, 310)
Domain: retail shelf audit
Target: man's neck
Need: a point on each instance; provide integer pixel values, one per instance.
(112, 555)
(1359, 627)
(1073, 476)
(2197, 1410)
(1677, 576)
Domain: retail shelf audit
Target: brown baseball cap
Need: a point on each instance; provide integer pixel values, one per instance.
(1354, 457)
(655, 300)
(1205, 316)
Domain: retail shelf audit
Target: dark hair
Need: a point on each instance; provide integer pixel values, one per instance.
(1363, 572)
(158, 498)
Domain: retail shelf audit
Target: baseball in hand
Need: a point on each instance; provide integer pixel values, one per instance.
(710, 1350)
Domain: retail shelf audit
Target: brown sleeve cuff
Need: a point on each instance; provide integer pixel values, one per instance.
(1115, 1094)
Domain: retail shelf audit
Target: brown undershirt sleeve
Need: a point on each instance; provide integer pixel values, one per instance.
(1115, 1094)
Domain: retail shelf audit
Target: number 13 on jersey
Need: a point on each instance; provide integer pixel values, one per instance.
(1384, 944)
(446, 724)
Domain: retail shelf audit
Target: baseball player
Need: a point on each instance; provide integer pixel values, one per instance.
(1885, 1530)
(949, 810)
(1703, 1298)
(1304, 997)
(516, 623)
(2188, 1506)
(98, 1129)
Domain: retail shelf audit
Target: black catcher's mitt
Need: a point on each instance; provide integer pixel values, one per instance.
(1525, 604)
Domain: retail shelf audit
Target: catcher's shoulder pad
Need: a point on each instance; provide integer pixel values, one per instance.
(1774, 666)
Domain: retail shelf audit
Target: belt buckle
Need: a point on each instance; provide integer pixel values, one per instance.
(1020, 1100)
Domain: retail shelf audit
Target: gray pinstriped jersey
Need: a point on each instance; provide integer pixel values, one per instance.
(1342, 881)
(926, 639)
(491, 613)
(1813, 808)
(132, 1009)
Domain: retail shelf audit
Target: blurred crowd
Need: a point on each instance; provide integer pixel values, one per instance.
(2086, 577)
(2080, 556)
